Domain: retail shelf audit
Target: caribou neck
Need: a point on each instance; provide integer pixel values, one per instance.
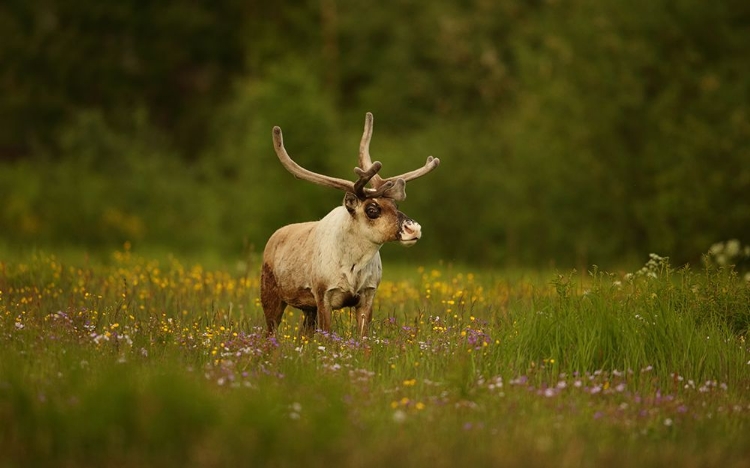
(353, 250)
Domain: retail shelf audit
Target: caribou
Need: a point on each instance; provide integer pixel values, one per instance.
(334, 263)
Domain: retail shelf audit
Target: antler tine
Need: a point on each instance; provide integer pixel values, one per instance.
(389, 189)
(394, 189)
(365, 161)
(428, 167)
(304, 174)
(364, 178)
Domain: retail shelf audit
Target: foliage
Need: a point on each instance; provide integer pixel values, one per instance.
(730, 254)
(570, 132)
(110, 185)
(632, 117)
(134, 360)
(61, 57)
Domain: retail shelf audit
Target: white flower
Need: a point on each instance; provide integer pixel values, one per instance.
(295, 410)
(733, 248)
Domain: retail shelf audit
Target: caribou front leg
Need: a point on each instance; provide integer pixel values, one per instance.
(323, 300)
(364, 312)
(309, 323)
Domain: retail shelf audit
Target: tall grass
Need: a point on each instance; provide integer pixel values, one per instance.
(137, 361)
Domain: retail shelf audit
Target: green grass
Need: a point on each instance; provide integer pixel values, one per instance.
(134, 361)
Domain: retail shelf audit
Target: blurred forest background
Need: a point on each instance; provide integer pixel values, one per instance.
(570, 131)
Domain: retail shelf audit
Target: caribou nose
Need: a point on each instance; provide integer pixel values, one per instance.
(411, 231)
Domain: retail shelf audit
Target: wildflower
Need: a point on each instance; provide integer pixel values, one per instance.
(399, 416)
(732, 248)
(521, 380)
(295, 410)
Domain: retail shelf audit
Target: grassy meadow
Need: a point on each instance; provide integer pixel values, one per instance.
(134, 360)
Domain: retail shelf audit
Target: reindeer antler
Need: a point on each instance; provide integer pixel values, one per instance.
(398, 190)
(367, 172)
(357, 188)
(364, 150)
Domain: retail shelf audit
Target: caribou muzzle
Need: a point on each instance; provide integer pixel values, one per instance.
(410, 232)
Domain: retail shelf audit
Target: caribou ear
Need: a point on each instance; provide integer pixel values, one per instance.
(350, 202)
(397, 191)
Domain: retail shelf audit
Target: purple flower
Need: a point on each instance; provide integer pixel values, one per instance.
(520, 380)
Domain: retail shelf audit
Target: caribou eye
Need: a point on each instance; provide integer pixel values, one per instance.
(372, 210)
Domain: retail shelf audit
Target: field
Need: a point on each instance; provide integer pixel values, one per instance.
(132, 360)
